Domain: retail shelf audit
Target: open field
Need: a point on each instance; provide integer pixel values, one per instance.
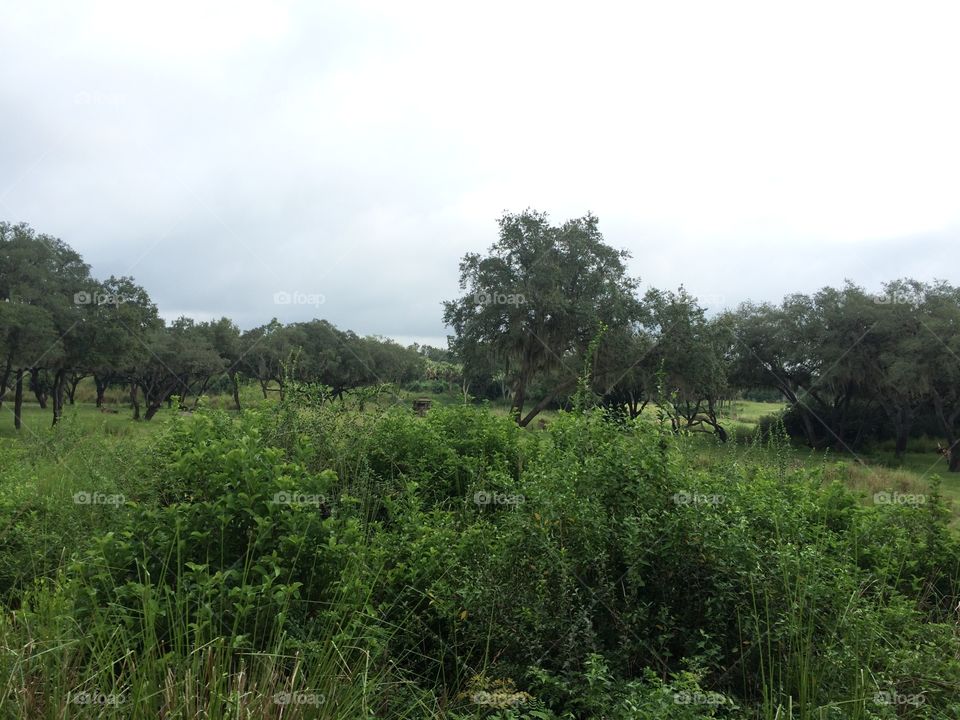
(869, 471)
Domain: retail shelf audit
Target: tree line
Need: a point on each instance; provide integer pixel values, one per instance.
(546, 307)
(59, 325)
(852, 366)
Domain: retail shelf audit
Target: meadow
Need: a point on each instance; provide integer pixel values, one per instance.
(312, 559)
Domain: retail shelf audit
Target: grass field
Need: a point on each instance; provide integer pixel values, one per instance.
(869, 472)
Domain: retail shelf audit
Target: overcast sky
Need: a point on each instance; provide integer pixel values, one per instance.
(224, 152)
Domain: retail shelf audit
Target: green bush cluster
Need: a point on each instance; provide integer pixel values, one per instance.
(482, 570)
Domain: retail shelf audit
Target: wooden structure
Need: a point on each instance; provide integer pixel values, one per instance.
(421, 405)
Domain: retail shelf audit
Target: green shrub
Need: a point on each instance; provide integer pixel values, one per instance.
(589, 571)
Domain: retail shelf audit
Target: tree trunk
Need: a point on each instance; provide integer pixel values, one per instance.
(134, 402)
(546, 401)
(6, 378)
(903, 434)
(236, 390)
(101, 389)
(200, 391)
(948, 423)
(841, 422)
(713, 422)
(517, 400)
(59, 381)
(72, 388)
(263, 388)
(152, 409)
(18, 400)
(808, 426)
(37, 391)
(792, 398)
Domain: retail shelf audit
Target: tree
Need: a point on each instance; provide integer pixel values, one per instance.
(624, 374)
(26, 333)
(122, 330)
(44, 273)
(264, 351)
(940, 364)
(775, 346)
(898, 340)
(175, 360)
(537, 299)
(224, 336)
(690, 354)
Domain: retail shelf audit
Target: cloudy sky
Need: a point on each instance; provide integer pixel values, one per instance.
(352, 152)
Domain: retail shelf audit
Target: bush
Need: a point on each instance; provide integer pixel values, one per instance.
(588, 571)
(239, 539)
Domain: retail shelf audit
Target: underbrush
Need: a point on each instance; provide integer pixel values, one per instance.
(314, 561)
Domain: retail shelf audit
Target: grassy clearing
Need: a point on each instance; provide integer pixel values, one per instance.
(871, 471)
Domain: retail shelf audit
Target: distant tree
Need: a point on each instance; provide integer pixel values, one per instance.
(537, 299)
(224, 336)
(263, 352)
(176, 360)
(122, 334)
(433, 353)
(449, 373)
(391, 362)
(689, 352)
(26, 333)
(776, 346)
(894, 348)
(44, 273)
(940, 363)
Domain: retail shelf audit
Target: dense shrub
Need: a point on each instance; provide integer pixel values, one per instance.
(588, 571)
(238, 539)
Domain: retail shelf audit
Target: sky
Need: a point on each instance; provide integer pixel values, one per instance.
(337, 159)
